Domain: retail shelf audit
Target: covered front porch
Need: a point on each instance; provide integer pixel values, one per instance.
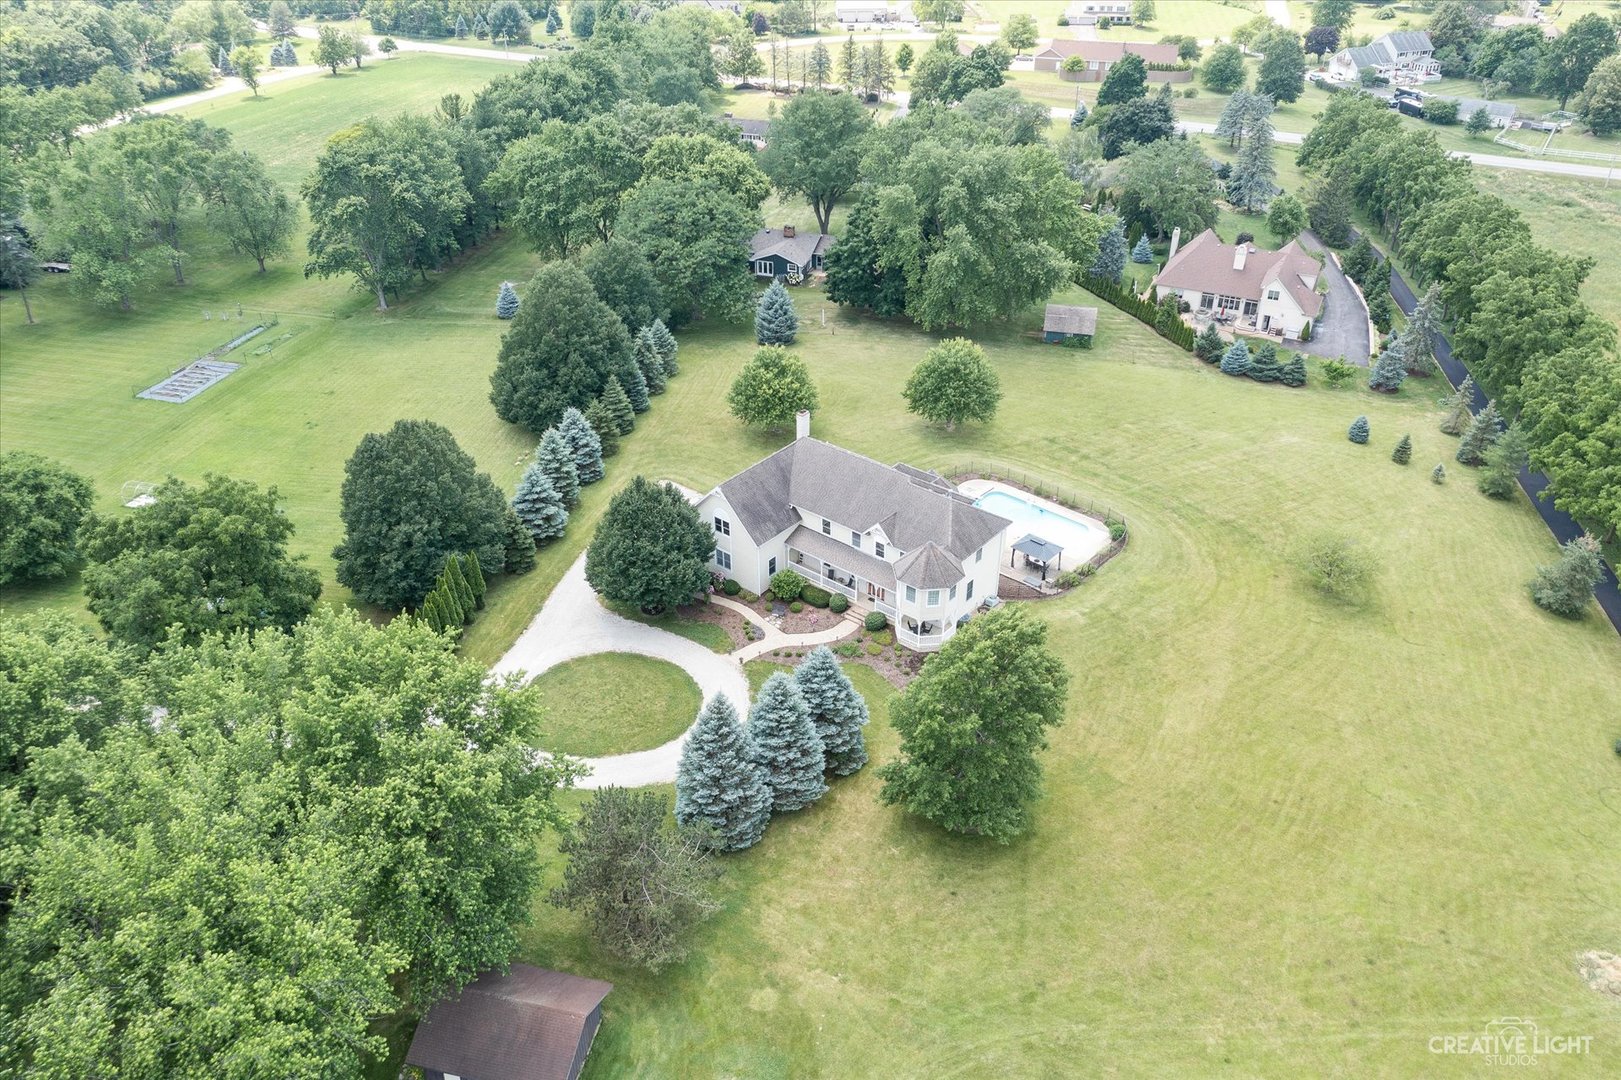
(866, 581)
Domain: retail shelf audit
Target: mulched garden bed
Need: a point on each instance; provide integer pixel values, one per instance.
(895, 665)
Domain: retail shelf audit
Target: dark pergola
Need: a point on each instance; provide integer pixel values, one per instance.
(1043, 553)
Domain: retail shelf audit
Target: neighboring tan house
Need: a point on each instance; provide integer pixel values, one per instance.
(1404, 57)
(751, 132)
(1088, 12)
(1065, 323)
(784, 252)
(531, 1024)
(1099, 55)
(891, 538)
(1271, 292)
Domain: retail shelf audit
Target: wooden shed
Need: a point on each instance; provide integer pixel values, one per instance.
(531, 1024)
(1066, 324)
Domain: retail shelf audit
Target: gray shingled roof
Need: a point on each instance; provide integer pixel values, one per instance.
(1368, 56)
(928, 567)
(520, 1026)
(797, 248)
(762, 128)
(843, 556)
(1066, 319)
(1409, 41)
(913, 507)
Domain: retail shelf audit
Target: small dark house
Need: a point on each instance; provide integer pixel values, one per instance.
(787, 253)
(1065, 324)
(532, 1024)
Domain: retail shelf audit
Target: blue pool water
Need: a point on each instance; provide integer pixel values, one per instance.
(1080, 537)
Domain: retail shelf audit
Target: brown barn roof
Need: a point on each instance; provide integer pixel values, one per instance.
(1206, 264)
(1110, 51)
(1066, 319)
(522, 1026)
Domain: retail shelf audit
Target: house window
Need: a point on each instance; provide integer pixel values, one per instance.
(1250, 306)
(878, 548)
(1272, 294)
(827, 527)
(934, 597)
(969, 595)
(855, 539)
(911, 595)
(952, 593)
(979, 556)
(723, 526)
(723, 559)
(793, 268)
(771, 566)
(1206, 301)
(764, 268)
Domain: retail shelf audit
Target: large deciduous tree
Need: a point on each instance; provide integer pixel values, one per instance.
(953, 384)
(1139, 121)
(1600, 103)
(697, 238)
(709, 161)
(772, 388)
(384, 200)
(1127, 78)
(1572, 416)
(1222, 71)
(411, 498)
(563, 346)
(650, 549)
(205, 560)
(970, 726)
(1168, 185)
(249, 208)
(1571, 58)
(564, 184)
(624, 280)
(815, 150)
(1282, 74)
(42, 507)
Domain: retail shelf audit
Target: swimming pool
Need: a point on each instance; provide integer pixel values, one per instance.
(1079, 536)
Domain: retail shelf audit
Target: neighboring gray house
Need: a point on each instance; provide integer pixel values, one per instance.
(891, 538)
(531, 1024)
(752, 132)
(1404, 57)
(781, 253)
(1088, 12)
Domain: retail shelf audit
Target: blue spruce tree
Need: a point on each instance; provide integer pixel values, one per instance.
(1390, 370)
(838, 712)
(1143, 252)
(718, 785)
(506, 301)
(775, 321)
(1111, 260)
(1078, 117)
(664, 342)
(1236, 360)
(635, 384)
(1483, 431)
(224, 62)
(1358, 432)
(584, 443)
(554, 21)
(556, 460)
(539, 506)
(786, 746)
(461, 26)
(648, 361)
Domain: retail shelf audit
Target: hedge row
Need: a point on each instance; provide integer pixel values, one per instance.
(1138, 308)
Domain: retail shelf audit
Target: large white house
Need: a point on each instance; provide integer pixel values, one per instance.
(1250, 287)
(891, 538)
(1404, 58)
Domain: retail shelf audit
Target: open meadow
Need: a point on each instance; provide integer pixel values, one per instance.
(1280, 836)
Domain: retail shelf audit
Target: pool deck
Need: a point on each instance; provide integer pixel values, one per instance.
(977, 487)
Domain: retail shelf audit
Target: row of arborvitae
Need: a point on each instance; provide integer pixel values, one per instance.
(456, 595)
(802, 727)
(1261, 364)
(1165, 317)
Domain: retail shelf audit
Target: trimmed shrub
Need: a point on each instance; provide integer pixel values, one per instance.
(1358, 432)
(815, 597)
(875, 621)
(787, 584)
(731, 587)
(838, 604)
(796, 607)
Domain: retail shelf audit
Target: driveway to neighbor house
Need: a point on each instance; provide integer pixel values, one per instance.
(1342, 328)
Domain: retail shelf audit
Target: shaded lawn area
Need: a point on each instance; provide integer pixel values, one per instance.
(615, 703)
(708, 634)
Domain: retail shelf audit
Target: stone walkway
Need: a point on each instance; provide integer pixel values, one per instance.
(573, 623)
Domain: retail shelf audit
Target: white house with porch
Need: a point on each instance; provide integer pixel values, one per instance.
(1269, 292)
(891, 538)
(1404, 58)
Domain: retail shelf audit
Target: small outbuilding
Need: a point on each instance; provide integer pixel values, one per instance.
(1067, 324)
(530, 1024)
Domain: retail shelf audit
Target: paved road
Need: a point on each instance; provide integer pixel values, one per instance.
(1278, 12)
(1561, 524)
(408, 45)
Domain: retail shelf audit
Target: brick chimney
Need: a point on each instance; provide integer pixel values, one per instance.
(787, 232)
(802, 424)
(1240, 253)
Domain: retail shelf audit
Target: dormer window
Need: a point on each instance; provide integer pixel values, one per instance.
(1272, 294)
(878, 548)
(855, 539)
(827, 527)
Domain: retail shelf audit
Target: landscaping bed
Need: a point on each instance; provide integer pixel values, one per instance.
(714, 627)
(893, 663)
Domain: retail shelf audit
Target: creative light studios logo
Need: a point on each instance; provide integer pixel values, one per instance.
(1512, 1040)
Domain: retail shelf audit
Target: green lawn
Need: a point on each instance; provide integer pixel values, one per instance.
(615, 703)
(708, 635)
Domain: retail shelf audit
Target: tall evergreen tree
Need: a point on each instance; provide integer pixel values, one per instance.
(556, 460)
(1404, 451)
(1418, 342)
(1390, 370)
(786, 746)
(665, 343)
(1111, 260)
(584, 444)
(1358, 432)
(1456, 405)
(519, 550)
(606, 427)
(648, 361)
(1142, 253)
(617, 402)
(635, 384)
(1482, 433)
(539, 506)
(1504, 460)
(838, 712)
(474, 573)
(457, 585)
(718, 785)
(1236, 360)
(775, 321)
(506, 301)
